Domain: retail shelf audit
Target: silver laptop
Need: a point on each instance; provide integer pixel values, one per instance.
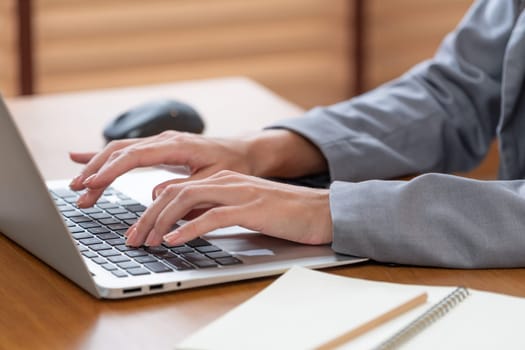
(87, 246)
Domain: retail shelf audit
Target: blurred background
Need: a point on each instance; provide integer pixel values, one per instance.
(311, 52)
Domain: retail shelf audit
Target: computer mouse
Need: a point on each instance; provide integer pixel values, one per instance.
(153, 118)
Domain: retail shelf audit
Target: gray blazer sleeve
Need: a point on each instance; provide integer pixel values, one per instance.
(439, 117)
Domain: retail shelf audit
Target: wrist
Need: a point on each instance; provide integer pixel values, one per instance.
(283, 153)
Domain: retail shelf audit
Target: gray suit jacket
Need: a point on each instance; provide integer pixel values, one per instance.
(440, 117)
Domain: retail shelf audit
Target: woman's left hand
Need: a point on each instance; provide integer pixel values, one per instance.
(295, 213)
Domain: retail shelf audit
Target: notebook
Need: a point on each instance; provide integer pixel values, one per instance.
(306, 309)
(88, 247)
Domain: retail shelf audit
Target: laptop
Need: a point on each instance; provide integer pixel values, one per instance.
(87, 246)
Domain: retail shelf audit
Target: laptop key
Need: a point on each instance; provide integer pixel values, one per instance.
(118, 210)
(157, 267)
(199, 260)
(101, 215)
(121, 232)
(197, 242)
(228, 261)
(81, 235)
(138, 271)
(118, 259)
(109, 221)
(156, 250)
(90, 241)
(89, 224)
(99, 260)
(129, 202)
(98, 247)
(182, 249)
(106, 236)
(71, 199)
(119, 273)
(144, 259)
(136, 208)
(91, 210)
(63, 192)
(116, 241)
(124, 248)
(118, 226)
(136, 252)
(109, 252)
(128, 265)
(80, 219)
(107, 205)
(75, 229)
(204, 263)
(179, 264)
(71, 213)
(126, 216)
(207, 249)
(220, 254)
(98, 230)
(109, 267)
(89, 254)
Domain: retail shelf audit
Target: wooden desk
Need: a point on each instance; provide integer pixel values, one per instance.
(39, 309)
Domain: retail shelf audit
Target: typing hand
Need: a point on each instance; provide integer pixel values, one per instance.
(227, 198)
(201, 155)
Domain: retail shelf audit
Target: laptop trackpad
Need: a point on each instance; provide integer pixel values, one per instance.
(257, 248)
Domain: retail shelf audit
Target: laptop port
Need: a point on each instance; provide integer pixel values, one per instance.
(156, 287)
(131, 290)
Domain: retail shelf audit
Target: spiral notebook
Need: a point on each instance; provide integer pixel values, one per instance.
(306, 309)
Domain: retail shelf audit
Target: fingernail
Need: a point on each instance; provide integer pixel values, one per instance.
(89, 179)
(81, 201)
(170, 237)
(131, 236)
(128, 232)
(76, 181)
(151, 239)
(130, 229)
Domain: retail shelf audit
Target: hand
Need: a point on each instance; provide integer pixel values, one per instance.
(270, 153)
(201, 155)
(299, 214)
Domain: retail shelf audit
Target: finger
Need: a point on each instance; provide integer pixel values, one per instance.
(198, 196)
(89, 198)
(199, 175)
(213, 219)
(136, 156)
(147, 220)
(173, 212)
(194, 213)
(97, 161)
(204, 194)
(130, 229)
(81, 157)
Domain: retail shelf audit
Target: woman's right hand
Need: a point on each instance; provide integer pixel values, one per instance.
(203, 156)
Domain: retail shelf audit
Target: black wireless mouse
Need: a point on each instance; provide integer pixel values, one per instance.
(153, 118)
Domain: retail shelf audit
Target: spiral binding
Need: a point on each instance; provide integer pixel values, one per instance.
(425, 320)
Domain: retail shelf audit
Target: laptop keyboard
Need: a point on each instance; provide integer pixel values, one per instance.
(99, 233)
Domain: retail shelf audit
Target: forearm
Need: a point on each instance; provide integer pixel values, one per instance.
(439, 117)
(283, 154)
(432, 220)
